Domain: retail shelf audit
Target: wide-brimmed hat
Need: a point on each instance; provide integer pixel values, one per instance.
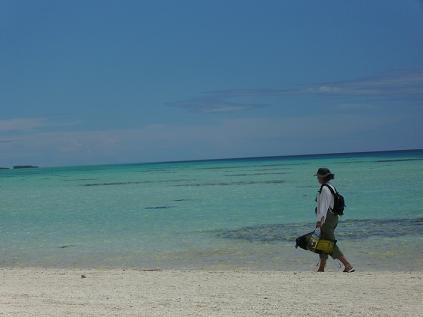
(324, 172)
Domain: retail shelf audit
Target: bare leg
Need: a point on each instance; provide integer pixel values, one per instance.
(322, 265)
(345, 262)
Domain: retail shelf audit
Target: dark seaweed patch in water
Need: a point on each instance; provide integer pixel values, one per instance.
(79, 179)
(232, 183)
(159, 207)
(155, 171)
(113, 184)
(399, 160)
(257, 174)
(349, 229)
(67, 246)
(137, 182)
(220, 167)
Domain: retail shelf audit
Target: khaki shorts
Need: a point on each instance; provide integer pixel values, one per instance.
(328, 233)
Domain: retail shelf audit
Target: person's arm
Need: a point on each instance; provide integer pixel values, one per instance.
(323, 206)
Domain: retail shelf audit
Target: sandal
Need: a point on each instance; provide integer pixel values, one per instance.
(350, 270)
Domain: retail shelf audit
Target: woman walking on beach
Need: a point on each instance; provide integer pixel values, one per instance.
(327, 219)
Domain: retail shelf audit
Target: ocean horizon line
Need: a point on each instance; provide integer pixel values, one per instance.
(247, 158)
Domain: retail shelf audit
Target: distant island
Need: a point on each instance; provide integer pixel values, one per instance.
(24, 166)
(18, 167)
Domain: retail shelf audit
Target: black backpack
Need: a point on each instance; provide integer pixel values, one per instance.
(338, 200)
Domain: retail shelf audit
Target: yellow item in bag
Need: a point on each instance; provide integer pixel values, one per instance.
(325, 246)
(320, 246)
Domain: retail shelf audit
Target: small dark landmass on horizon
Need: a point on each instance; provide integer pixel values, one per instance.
(16, 167)
(24, 166)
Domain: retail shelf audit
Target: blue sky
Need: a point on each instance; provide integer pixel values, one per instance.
(86, 82)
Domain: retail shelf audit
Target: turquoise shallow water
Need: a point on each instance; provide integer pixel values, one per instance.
(211, 214)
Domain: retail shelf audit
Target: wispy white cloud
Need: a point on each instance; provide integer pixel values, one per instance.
(6, 140)
(213, 104)
(356, 107)
(25, 125)
(22, 124)
(402, 84)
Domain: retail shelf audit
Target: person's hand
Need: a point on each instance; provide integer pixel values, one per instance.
(318, 224)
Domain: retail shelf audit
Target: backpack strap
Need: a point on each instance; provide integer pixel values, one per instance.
(333, 194)
(332, 190)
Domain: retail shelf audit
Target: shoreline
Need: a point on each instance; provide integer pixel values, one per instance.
(142, 292)
(215, 269)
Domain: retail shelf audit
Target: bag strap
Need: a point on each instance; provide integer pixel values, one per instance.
(332, 190)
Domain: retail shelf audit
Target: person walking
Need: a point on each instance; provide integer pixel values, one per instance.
(327, 218)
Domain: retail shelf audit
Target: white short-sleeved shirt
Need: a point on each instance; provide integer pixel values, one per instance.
(325, 201)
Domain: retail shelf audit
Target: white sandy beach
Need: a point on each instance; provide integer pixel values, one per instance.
(60, 292)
